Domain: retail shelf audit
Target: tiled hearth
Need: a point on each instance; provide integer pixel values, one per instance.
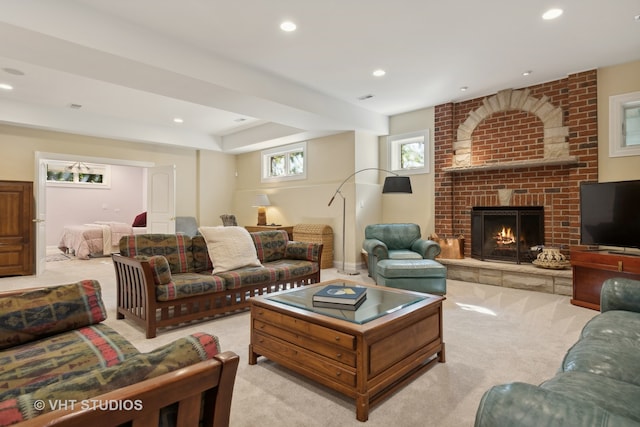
(508, 275)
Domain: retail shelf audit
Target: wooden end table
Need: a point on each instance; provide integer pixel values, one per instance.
(366, 354)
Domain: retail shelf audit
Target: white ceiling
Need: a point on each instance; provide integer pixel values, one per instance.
(134, 65)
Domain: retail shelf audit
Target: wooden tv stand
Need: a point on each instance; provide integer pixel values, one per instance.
(591, 267)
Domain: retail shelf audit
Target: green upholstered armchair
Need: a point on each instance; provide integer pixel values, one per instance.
(396, 241)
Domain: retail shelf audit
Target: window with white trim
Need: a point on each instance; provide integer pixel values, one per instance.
(624, 125)
(78, 174)
(285, 163)
(408, 152)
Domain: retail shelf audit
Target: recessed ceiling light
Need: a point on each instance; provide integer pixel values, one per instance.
(379, 72)
(463, 88)
(75, 106)
(363, 97)
(6, 86)
(527, 73)
(552, 14)
(637, 18)
(288, 26)
(239, 120)
(178, 120)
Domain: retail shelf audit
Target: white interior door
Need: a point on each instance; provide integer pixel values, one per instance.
(40, 216)
(161, 199)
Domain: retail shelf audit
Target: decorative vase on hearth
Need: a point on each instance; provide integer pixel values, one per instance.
(551, 258)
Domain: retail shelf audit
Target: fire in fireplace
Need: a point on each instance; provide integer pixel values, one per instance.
(506, 233)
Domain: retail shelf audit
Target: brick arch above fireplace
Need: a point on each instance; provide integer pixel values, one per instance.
(555, 134)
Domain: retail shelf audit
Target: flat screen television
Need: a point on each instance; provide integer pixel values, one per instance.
(610, 214)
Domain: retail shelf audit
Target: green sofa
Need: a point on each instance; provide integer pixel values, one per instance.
(58, 358)
(598, 383)
(166, 279)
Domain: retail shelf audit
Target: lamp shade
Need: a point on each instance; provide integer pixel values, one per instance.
(261, 200)
(397, 184)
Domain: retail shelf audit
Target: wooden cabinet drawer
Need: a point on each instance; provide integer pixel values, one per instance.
(308, 329)
(339, 354)
(276, 349)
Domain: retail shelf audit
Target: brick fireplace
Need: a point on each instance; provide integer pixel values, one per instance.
(519, 147)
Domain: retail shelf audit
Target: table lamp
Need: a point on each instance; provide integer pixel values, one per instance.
(260, 201)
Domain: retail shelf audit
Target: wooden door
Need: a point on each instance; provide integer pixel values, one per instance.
(16, 228)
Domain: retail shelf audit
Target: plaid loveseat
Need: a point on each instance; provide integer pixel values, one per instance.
(55, 353)
(166, 279)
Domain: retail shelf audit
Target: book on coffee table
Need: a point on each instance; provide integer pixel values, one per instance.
(335, 294)
(338, 306)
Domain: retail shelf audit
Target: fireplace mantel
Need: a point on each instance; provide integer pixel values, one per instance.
(514, 164)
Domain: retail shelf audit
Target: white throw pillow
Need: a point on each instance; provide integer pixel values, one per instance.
(229, 248)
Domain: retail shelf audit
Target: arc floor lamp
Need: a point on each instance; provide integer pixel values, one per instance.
(392, 184)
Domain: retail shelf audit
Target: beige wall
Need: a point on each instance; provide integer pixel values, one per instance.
(367, 206)
(216, 174)
(615, 80)
(331, 160)
(193, 197)
(418, 207)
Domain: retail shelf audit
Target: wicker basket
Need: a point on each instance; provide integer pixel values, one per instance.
(317, 233)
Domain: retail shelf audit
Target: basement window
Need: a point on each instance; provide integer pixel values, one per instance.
(624, 125)
(78, 174)
(408, 153)
(285, 163)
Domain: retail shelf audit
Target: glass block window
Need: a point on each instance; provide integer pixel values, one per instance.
(285, 163)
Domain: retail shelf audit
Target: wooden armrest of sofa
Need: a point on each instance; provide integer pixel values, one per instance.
(205, 387)
(135, 292)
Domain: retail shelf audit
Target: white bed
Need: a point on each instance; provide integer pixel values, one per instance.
(100, 238)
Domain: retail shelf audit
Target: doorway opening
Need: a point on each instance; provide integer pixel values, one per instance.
(40, 220)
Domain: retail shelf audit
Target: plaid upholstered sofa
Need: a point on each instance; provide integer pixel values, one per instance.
(60, 365)
(166, 279)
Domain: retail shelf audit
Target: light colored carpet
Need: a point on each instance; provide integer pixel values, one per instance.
(58, 257)
(493, 335)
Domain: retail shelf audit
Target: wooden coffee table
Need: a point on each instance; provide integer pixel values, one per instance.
(366, 354)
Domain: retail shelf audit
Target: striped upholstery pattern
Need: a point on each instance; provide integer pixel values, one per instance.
(176, 248)
(291, 268)
(136, 368)
(303, 251)
(43, 312)
(159, 267)
(201, 260)
(281, 258)
(57, 359)
(189, 284)
(270, 245)
(245, 276)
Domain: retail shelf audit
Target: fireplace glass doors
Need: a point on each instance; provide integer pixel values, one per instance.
(506, 233)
